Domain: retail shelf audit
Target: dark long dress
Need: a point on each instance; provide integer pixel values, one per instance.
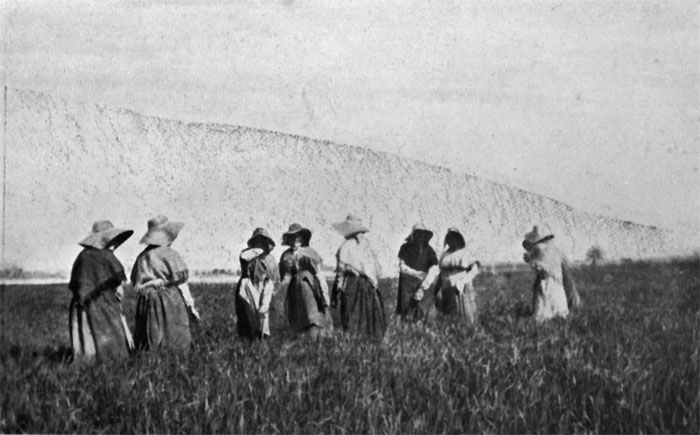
(306, 306)
(417, 259)
(162, 319)
(362, 308)
(95, 315)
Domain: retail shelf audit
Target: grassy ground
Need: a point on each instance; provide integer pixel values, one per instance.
(628, 361)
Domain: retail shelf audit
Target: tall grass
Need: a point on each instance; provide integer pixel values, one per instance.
(627, 362)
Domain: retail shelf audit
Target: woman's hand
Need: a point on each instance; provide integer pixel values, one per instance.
(195, 313)
(418, 295)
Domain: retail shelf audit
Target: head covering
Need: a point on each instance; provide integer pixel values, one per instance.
(351, 225)
(251, 265)
(294, 230)
(161, 231)
(260, 233)
(104, 235)
(538, 234)
(419, 227)
(454, 232)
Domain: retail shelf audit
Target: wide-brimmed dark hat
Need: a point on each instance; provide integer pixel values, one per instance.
(351, 225)
(260, 233)
(420, 228)
(104, 235)
(294, 230)
(538, 234)
(455, 231)
(161, 231)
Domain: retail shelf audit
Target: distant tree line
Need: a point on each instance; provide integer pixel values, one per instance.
(16, 272)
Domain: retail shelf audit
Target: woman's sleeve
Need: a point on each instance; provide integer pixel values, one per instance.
(282, 267)
(432, 258)
(267, 296)
(116, 269)
(135, 271)
(179, 274)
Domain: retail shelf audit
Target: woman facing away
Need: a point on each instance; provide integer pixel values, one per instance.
(160, 279)
(416, 257)
(553, 276)
(307, 303)
(452, 279)
(97, 324)
(253, 295)
(356, 285)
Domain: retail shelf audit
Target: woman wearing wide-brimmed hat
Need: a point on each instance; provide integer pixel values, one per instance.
(307, 302)
(455, 294)
(416, 257)
(357, 282)
(160, 279)
(295, 238)
(253, 295)
(554, 291)
(96, 318)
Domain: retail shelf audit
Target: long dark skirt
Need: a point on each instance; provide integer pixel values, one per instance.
(248, 323)
(305, 305)
(424, 310)
(162, 321)
(362, 308)
(459, 304)
(97, 329)
(407, 287)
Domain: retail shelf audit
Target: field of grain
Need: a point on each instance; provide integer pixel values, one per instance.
(627, 362)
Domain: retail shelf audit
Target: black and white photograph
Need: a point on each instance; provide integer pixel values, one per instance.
(306, 216)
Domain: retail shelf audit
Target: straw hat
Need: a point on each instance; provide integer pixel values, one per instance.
(260, 233)
(538, 234)
(420, 227)
(249, 254)
(104, 235)
(294, 229)
(161, 231)
(351, 225)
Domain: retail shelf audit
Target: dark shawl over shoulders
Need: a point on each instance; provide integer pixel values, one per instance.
(95, 314)
(417, 259)
(95, 270)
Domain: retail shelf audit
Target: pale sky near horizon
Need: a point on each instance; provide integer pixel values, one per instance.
(596, 104)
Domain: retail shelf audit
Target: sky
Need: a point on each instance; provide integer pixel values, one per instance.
(596, 104)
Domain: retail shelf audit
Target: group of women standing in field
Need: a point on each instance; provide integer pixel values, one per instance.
(165, 307)
(159, 277)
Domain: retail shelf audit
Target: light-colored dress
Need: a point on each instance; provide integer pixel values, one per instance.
(97, 324)
(457, 295)
(162, 318)
(356, 285)
(549, 296)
